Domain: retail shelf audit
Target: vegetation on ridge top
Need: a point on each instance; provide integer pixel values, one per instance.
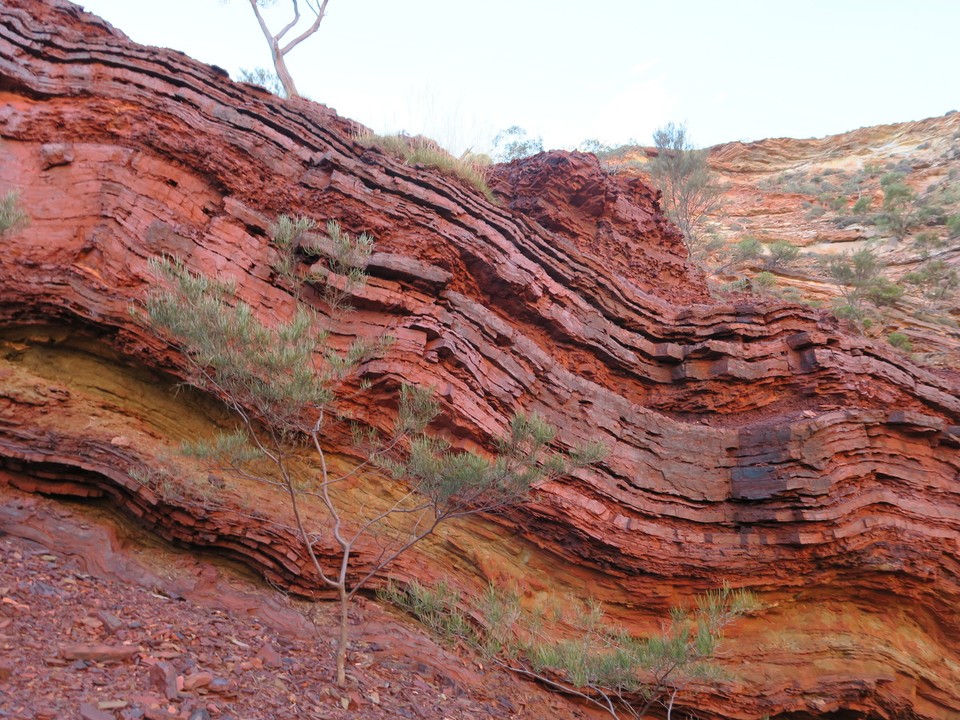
(412, 150)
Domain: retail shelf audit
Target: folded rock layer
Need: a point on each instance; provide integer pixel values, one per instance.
(752, 443)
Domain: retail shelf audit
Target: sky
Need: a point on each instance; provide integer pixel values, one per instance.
(613, 70)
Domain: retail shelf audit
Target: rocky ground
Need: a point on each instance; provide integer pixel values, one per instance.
(92, 628)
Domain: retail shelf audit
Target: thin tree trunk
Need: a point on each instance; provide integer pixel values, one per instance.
(286, 79)
(342, 643)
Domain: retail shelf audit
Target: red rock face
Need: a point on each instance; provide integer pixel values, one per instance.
(613, 218)
(752, 443)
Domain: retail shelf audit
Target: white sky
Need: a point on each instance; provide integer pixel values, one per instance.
(460, 70)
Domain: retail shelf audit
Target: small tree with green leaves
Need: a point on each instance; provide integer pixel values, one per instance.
(593, 145)
(860, 280)
(12, 216)
(745, 251)
(626, 675)
(900, 205)
(936, 281)
(514, 143)
(781, 255)
(681, 172)
(284, 382)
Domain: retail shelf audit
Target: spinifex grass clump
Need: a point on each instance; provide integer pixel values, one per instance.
(284, 382)
(12, 216)
(420, 151)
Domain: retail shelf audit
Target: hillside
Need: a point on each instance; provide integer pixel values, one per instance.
(826, 197)
(752, 441)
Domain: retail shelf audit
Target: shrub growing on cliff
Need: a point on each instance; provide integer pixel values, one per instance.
(936, 281)
(12, 216)
(600, 663)
(862, 206)
(781, 255)
(953, 226)
(763, 283)
(900, 341)
(284, 382)
(745, 251)
(859, 278)
(900, 205)
(682, 173)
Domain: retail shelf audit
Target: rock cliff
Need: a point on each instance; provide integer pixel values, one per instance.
(751, 442)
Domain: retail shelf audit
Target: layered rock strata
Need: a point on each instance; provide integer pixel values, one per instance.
(753, 443)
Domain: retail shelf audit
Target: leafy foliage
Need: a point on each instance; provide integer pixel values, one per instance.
(936, 281)
(436, 607)
(953, 225)
(859, 277)
(599, 662)
(900, 205)
(781, 255)
(283, 381)
(900, 341)
(763, 282)
(689, 188)
(514, 143)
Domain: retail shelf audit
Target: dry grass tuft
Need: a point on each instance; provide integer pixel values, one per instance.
(418, 150)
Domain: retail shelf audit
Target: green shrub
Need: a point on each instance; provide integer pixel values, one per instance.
(936, 281)
(859, 278)
(928, 243)
(883, 292)
(844, 221)
(749, 248)
(791, 294)
(953, 225)
(601, 663)
(738, 285)
(437, 607)
(838, 203)
(763, 282)
(900, 341)
(901, 206)
(861, 206)
(930, 215)
(781, 254)
(690, 191)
